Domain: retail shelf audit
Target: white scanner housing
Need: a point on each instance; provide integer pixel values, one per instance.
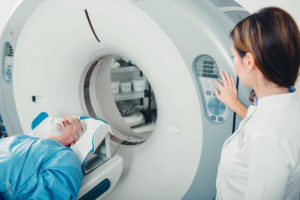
(56, 58)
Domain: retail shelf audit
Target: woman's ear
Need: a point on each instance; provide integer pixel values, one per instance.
(249, 61)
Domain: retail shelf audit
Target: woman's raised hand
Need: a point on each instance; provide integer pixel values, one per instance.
(227, 94)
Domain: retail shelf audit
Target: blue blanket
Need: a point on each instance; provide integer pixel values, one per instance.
(32, 168)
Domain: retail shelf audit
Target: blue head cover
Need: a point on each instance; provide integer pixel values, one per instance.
(291, 89)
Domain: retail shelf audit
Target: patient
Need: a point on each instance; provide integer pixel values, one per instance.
(66, 130)
(41, 167)
(70, 129)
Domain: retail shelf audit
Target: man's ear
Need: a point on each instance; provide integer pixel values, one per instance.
(249, 61)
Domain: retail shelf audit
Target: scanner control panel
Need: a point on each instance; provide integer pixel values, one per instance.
(207, 72)
(7, 62)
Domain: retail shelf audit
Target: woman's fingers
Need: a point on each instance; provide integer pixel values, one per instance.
(228, 79)
(233, 85)
(227, 91)
(220, 86)
(232, 80)
(217, 93)
(224, 79)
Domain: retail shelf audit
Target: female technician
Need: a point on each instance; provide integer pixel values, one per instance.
(261, 160)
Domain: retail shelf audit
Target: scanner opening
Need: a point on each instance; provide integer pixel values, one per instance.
(117, 90)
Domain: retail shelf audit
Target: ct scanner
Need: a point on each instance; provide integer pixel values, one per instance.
(56, 57)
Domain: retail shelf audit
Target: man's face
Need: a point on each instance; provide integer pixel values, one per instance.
(70, 128)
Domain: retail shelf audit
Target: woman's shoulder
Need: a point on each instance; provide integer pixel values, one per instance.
(288, 124)
(279, 121)
(280, 126)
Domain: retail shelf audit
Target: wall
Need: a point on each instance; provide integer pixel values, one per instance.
(6, 8)
(292, 6)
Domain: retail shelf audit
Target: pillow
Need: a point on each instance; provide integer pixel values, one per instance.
(93, 146)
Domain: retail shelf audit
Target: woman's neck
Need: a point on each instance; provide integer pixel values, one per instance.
(264, 87)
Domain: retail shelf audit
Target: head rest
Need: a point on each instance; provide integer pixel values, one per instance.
(95, 131)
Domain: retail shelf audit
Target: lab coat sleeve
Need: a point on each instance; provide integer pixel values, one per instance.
(268, 170)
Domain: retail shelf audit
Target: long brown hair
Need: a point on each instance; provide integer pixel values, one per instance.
(272, 36)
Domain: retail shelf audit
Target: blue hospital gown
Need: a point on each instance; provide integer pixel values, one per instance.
(33, 168)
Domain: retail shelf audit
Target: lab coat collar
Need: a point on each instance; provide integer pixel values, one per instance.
(292, 89)
(271, 99)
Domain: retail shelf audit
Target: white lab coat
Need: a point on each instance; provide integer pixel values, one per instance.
(261, 160)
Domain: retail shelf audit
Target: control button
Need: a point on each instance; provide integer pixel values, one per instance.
(216, 106)
(220, 119)
(208, 92)
(216, 101)
(8, 73)
(212, 103)
(222, 107)
(213, 118)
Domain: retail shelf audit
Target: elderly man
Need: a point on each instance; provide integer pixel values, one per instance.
(41, 167)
